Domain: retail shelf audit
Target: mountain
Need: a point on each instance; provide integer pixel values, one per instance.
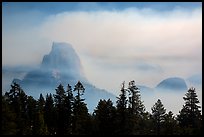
(61, 66)
(65, 60)
(173, 84)
(10, 72)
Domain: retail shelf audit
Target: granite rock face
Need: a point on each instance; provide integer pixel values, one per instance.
(61, 66)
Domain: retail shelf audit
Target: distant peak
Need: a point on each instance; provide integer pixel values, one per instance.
(59, 45)
(174, 83)
(63, 60)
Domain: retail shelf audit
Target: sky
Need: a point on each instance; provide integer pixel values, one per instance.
(146, 42)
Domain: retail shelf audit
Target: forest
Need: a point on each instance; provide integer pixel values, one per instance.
(65, 113)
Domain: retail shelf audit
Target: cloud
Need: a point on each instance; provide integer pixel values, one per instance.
(141, 44)
(148, 67)
(127, 33)
(134, 41)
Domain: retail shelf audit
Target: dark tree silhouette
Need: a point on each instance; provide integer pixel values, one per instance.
(8, 123)
(40, 128)
(69, 100)
(32, 111)
(135, 109)
(158, 114)
(190, 116)
(60, 98)
(105, 114)
(17, 98)
(41, 103)
(80, 90)
(121, 113)
(50, 115)
(68, 114)
(170, 126)
(135, 104)
(80, 112)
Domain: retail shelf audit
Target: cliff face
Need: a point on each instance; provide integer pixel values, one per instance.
(63, 61)
(61, 66)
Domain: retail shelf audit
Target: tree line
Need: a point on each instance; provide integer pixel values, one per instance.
(64, 113)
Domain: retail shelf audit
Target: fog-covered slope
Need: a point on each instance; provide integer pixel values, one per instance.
(61, 66)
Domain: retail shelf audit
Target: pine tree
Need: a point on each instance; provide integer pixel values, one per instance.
(135, 103)
(32, 110)
(80, 90)
(190, 116)
(80, 112)
(8, 123)
(40, 128)
(60, 106)
(50, 115)
(41, 103)
(147, 124)
(135, 109)
(68, 110)
(17, 99)
(121, 113)
(158, 114)
(170, 124)
(105, 116)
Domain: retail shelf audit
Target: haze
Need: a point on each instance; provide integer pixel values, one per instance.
(135, 41)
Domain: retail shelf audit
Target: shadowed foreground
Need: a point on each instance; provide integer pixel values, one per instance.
(66, 113)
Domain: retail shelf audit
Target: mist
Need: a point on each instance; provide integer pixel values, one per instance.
(141, 44)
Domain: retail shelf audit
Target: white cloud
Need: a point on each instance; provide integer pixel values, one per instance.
(127, 33)
(138, 34)
(110, 43)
